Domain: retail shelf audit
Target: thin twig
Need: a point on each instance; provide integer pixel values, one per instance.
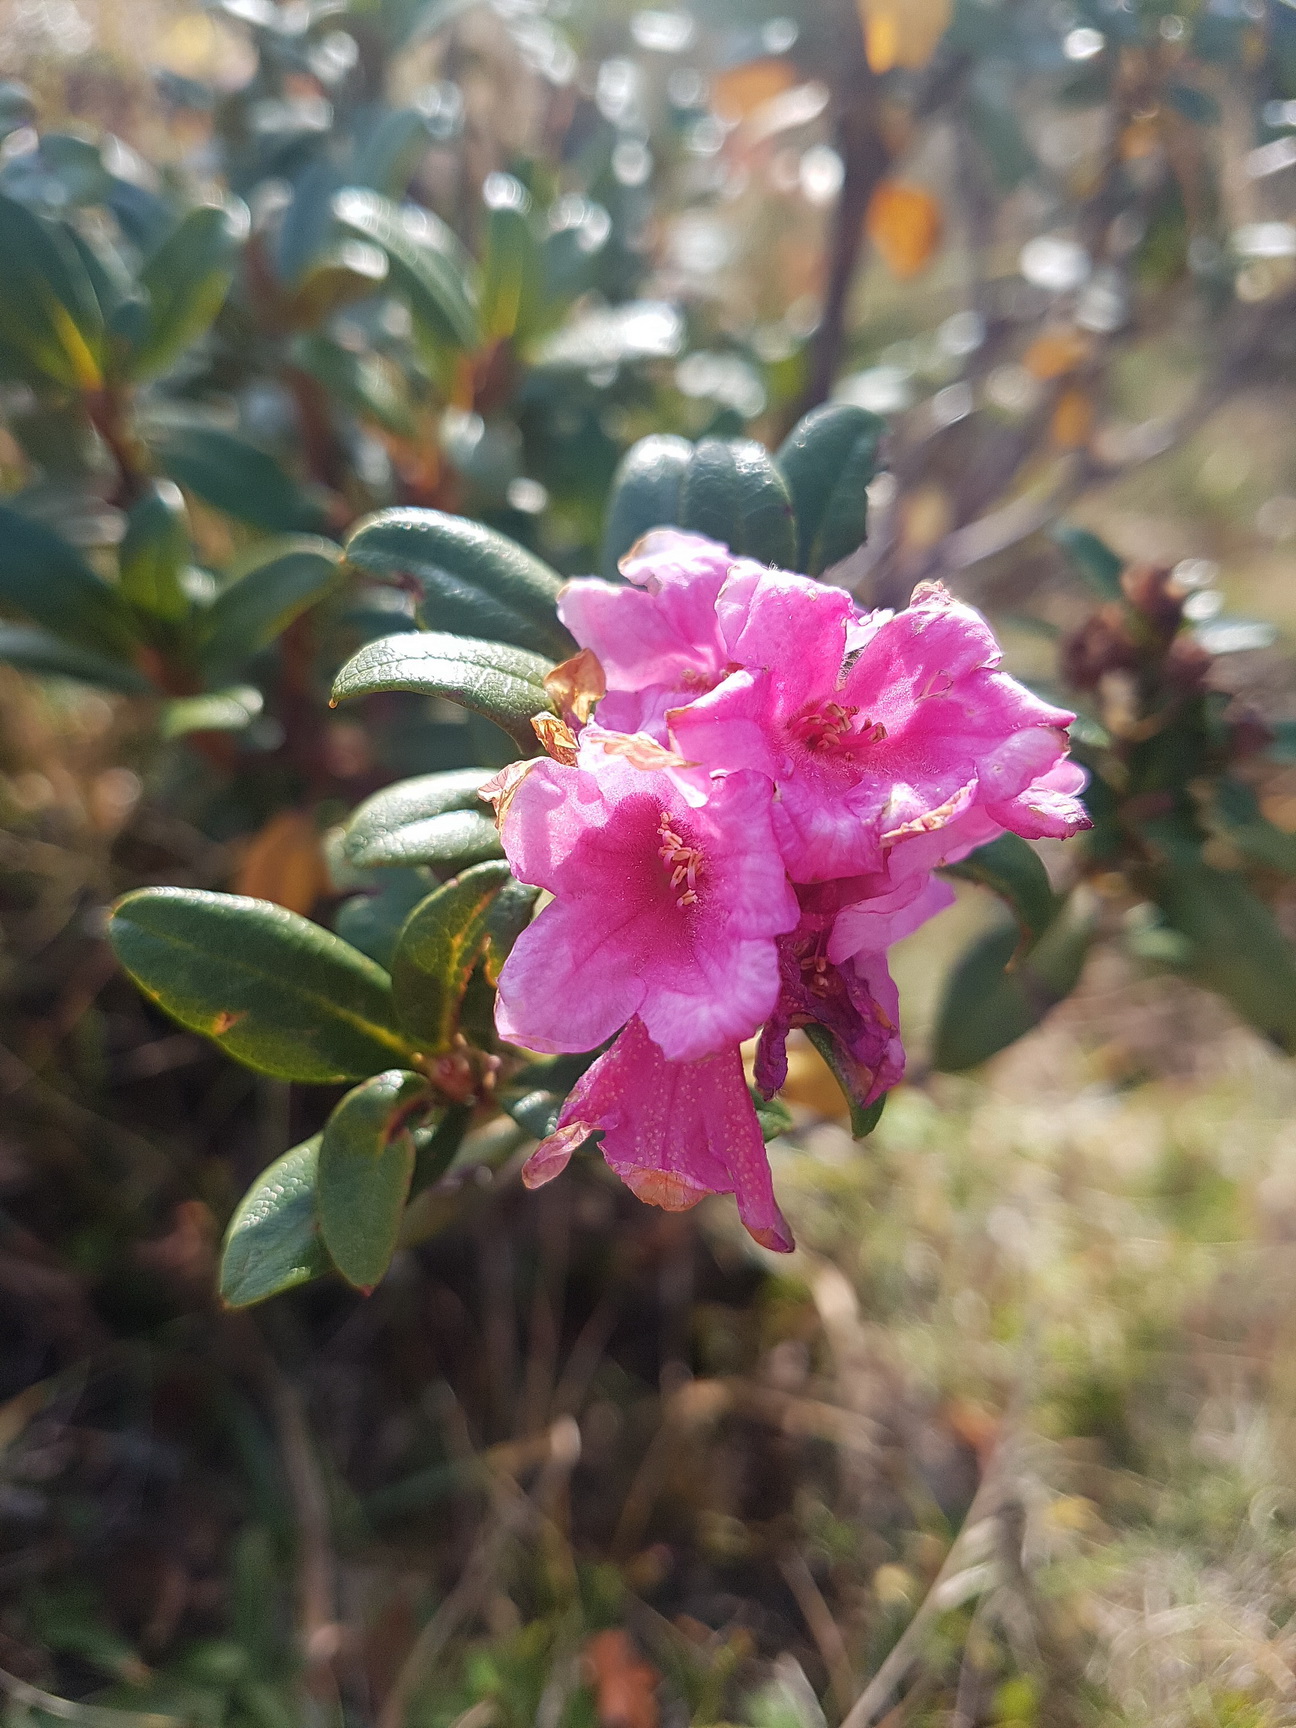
(823, 1628)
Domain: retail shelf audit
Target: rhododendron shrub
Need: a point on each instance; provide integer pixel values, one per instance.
(735, 833)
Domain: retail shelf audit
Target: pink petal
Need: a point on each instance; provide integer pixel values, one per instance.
(872, 926)
(675, 1132)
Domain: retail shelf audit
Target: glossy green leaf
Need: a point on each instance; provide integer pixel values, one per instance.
(505, 684)
(428, 267)
(645, 494)
(186, 281)
(214, 711)
(253, 611)
(435, 819)
(864, 1118)
(1012, 870)
(273, 1241)
(272, 989)
(474, 581)
(990, 1001)
(365, 383)
(442, 941)
(773, 1115)
(155, 549)
(372, 922)
(511, 284)
(1236, 946)
(366, 1160)
(48, 580)
(1092, 557)
(237, 477)
(732, 492)
(828, 460)
(391, 151)
(34, 650)
(49, 314)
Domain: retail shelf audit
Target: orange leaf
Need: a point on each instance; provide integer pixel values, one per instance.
(1055, 353)
(741, 90)
(625, 1686)
(1073, 419)
(904, 223)
(903, 32)
(285, 863)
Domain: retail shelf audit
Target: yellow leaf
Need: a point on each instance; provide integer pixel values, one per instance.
(284, 862)
(1073, 419)
(741, 90)
(903, 32)
(904, 223)
(1056, 352)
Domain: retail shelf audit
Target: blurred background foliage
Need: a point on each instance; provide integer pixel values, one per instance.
(1008, 1441)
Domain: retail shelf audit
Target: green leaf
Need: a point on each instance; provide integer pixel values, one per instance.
(287, 579)
(33, 650)
(475, 581)
(367, 384)
(1013, 871)
(989, 1002)
(372, 922)
(645, 494)
(49, 314)
(828, 460)
(186, 280)
(391, 152)
(864, 1118)
(155, 549)
(238, 478)
(435, 819)
(773, 1115)
(511, 286)
(273, 1241)
(1237, 948)
(216, 711)
(428, 268)
(443, 939)
(1092, 557)
(366, 1160)
(732, 492)
(272, 989)
(44, 577)
(505, 684)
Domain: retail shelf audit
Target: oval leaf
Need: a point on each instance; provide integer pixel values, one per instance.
(505, 684)
(366, 1160)
(443, 939)
(429, 269)
(732, 492)
(1236, 947)
(273, 1242)
(49, 314)
(434, 819)
(154, 551)
(285, 581)
(37, 651)
(645, 494)
(474, 581)
(237, 477)
(272, 989)
(990, 1002)
(828, 460)
(186, 280)
(1012, 870)
(48, 580)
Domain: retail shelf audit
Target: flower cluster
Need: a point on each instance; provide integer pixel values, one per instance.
(734, 835)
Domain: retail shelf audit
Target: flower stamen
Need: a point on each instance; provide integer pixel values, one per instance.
(684, 862)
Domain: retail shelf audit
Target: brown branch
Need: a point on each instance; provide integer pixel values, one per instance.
(823, 1628)
(865, 159)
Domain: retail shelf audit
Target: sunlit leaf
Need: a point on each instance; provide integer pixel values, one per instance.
(440, 944)
(273, 1240)
(505, 684)
(436, 819)
(366, 1160)
(905, 224)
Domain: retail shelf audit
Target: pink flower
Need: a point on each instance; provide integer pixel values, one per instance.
(672, 1131)
(658, 640)
(667, 903)
(916, 730)
(856, 1002)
